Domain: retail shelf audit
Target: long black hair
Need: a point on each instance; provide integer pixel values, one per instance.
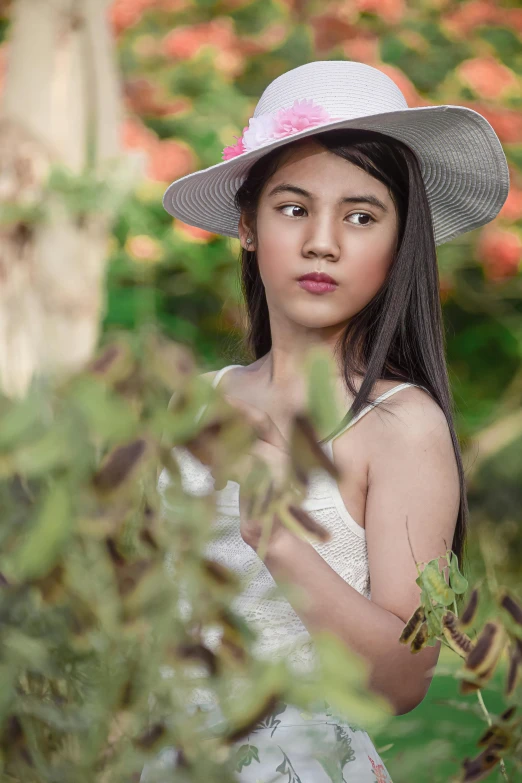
(399, 334)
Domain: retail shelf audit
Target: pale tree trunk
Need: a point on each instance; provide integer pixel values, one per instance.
(61, 107)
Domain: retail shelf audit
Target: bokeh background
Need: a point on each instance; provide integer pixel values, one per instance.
(191, 73)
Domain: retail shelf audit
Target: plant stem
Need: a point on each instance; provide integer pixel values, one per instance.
(490, 722)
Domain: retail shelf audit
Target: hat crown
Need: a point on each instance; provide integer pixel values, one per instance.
(343, 88)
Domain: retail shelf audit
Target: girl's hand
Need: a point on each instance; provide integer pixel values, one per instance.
(272, 447)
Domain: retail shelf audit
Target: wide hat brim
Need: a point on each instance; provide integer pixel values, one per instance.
(462, 162)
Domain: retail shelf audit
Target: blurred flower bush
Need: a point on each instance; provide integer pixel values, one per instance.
(193, 72)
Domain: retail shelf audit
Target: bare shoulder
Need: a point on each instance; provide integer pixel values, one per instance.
(412, 430)
(409, 415)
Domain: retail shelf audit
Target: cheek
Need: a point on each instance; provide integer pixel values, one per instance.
(274, 260)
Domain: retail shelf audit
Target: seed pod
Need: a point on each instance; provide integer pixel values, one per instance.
(495, 736)
(198, 652)
(310, 525)
(119, 465)
(487, 649)
(412, 626)
(508, 603)
(515, 660)
(150, 737)
(457, 640)
(253, 720)
(305, 451)
(421, 639)
(468, 615)
(470, 686)
(235, 650)
(508, 714)
(477, 768)
(434, 616)
(220, 573)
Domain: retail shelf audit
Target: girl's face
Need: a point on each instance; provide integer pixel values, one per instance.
(321, 213)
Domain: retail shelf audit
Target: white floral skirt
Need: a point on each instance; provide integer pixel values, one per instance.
(297, 747)
(291, 746)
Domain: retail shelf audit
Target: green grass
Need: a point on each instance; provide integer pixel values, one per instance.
(430, 742)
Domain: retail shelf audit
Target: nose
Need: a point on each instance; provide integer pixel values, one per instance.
(321, 240)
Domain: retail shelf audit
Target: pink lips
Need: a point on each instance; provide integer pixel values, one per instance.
(317, 283)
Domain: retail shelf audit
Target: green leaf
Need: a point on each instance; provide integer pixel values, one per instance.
(23, 650)
(434, 620)
(435, 585)
(53, 449)
(105, 413)
(17, 420)
(458, 582)
(321, 398)
(44, 542)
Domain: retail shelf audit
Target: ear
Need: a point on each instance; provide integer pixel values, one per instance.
(244, 234)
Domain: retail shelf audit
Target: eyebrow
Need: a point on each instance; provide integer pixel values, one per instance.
(366, 197)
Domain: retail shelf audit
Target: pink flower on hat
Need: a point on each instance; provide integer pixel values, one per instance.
(235, 149)
(300, 115)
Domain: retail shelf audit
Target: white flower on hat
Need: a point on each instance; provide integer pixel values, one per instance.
(260, 130)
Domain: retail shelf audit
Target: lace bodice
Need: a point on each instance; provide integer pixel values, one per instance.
(281, 631)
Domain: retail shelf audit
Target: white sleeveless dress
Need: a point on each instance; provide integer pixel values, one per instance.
(289, 745)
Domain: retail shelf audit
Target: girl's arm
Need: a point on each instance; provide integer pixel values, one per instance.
(413, 475)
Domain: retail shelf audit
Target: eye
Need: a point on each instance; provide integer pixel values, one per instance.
(291, 206)
(368, 222)
(365, 215)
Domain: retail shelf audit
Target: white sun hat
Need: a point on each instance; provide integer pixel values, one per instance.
(461, 158)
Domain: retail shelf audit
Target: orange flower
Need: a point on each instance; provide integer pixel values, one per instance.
(446, 287)
(391, 11)
(512, 209)
(144, 248)
(193, 233)
(500, 253)
(126, 13)
(404, 84)
(143, 97)
(329, 31)
(166, 160)
(468, 16)
(487, 77)
(169, 160)
(136, 136)
(364, 49)
(186, 41)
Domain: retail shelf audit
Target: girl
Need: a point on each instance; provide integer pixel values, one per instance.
(339, 194)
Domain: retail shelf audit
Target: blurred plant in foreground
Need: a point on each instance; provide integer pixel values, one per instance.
(98, 663)
(433, 620)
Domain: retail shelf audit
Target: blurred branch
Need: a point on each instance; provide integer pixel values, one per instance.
(61, 110)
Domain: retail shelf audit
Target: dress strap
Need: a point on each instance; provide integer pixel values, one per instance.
(215, 380)
(217, 377)
(374, 404)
